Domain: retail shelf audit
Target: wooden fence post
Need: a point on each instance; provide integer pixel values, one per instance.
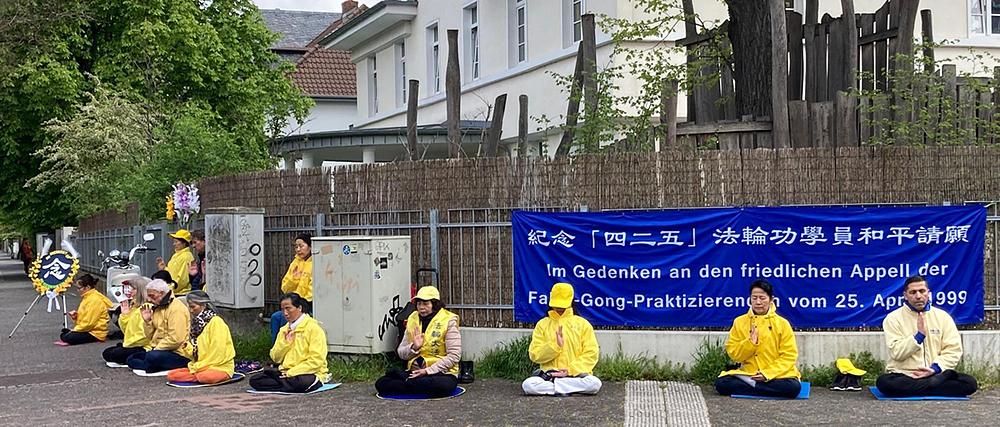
(927, 36)
(779, 75)
(453, 96)
(522, 126)
(668, 115)
(411, 119)
(496, 126)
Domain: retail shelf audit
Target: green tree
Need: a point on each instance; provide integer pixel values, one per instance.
(202, 89)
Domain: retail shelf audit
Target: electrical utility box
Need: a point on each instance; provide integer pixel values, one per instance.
(234, 257)
(360, 283)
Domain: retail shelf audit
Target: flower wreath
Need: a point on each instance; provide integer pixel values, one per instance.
(54, 272)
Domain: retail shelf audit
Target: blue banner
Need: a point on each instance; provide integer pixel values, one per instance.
(830, 266)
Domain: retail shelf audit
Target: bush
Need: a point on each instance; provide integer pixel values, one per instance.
(355, 368)
(254, 346)
(622, 367)
(509, 360)
(709, 361)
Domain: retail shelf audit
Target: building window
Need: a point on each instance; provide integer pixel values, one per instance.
(984, 17)
(521, 30)
(472, 25)
(577, 9)
(401, 72)
(433, 60)
(372, 86)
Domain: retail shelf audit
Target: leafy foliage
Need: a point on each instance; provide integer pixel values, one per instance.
(169, 90)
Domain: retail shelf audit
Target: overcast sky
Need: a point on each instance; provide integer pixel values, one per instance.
(316, 5)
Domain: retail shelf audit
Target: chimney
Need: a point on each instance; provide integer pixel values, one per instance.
(348, 6)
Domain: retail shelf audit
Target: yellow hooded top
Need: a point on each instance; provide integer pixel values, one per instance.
(131, 325)
(579, 352)
(92, 315)
(169, 327)
(775, 353)
(299, 278)
(215, 349)
(909, 350)
(306, 354)
(178, 268)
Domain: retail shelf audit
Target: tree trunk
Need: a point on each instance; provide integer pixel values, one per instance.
(749, 32)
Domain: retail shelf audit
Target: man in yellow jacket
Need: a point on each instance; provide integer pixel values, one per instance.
(924, 348)
(167, 323)
(764, 345)
(565, 348)
(300, 351)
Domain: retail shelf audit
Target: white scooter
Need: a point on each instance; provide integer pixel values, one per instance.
(120, 269)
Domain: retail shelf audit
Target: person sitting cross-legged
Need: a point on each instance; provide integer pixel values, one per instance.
(432, 348)
(565, 348)
(924, 348)
(166, 324)
(91, 317)
(300, 351)
(131, 323)
(210, 347)
(764, 345)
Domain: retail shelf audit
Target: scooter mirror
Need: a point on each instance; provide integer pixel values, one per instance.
(100, 253)
(114, 253)
(148, 237)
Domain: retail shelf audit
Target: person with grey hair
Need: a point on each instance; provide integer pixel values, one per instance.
(131, 324)
(210, 347)
(165, 322)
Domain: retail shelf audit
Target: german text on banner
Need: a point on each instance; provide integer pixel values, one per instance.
(830, 266)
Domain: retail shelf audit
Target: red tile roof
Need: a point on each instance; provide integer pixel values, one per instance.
(324, 72)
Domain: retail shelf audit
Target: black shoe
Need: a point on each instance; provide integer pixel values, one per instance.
(466, 372)
(852, 382)
(839, 383)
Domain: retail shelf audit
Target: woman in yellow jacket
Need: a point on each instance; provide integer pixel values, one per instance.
(764, 345)
(130, 322)
(300, 352)
(297, 280)
(91, 318)
(565, 348)
(432, 348)
(180, 262)
(210, 347)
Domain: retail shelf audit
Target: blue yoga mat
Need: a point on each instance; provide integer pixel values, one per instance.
(325, 387)
(455, 393)
(183, 384)
(803, 394)
(878, 395)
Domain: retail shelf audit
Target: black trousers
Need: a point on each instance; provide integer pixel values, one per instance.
(271, 380)
(119, 354)
(27, 263)
(396, 382)
(73, 338)
(947, 383)
(784, 387)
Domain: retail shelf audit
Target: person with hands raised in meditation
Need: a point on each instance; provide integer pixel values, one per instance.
(91, 317)
(166, 323)
(565, 348)
(431, 347)
(764, 345)
(300, 352)
(924, 348)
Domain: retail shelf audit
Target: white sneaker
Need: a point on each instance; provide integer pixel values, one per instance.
(143, 373)
(115, 365)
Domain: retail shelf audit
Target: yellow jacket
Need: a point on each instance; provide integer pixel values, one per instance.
(169, 327)
(306, 354)
(178, 268)
(215, 349)
(775, 353)
(908, 351)
(579, 352)
(299, 278)
(92, 315)
(442, 349)
(132, 326)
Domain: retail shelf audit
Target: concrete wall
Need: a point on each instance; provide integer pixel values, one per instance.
(815, 348)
